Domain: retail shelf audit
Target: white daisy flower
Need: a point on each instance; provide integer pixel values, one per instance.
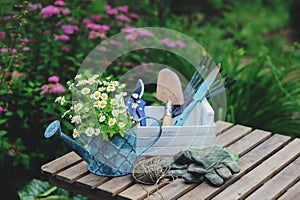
(123, 94)
(104, 96)
(101, 89)
(111, 88)
(87, 109)
(108, 78)
(57, 99)
(81, 82)
(105, 83)
(121, 124)
(78, 106)
(85, 90)
(75, 133)
(102, 118)
(122, 86)
(102, 104)
(111, 121)
(97, 104)
(89, 131)
(62, 101)
(78, 76)
(76, 119)
(115, 113)
(96, 95)
(95, 76)
(115, 83)
(114, 102)
(71, 86)
(97, 131)
(91, 81)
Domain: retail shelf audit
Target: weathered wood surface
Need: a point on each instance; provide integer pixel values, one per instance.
(269, 170)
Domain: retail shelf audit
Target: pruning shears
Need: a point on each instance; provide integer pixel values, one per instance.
(135, 103)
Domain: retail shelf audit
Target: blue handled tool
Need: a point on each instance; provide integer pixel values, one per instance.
(135, 103)
(200, 94)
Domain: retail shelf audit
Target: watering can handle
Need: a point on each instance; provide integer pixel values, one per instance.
(155, 139)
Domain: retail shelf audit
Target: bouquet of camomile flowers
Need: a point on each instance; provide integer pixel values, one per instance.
(97, 107)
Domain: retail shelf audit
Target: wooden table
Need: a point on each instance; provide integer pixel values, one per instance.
(270, 169)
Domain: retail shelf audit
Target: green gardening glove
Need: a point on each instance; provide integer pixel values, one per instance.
(214, 163)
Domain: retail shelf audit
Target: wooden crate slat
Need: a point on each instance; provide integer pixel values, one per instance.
(73, 173)
(116, 185)
(61, 163)
(246, 163)
(221, 126)
(251, 181)
(253, 138)
(280, 183)
(232, 135)
(140, 191)
(177, 189)
(292, 193)
(91, 181)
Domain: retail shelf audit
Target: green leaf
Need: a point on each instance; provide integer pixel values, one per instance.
(2, 121)
(20, 113)
(2, 133)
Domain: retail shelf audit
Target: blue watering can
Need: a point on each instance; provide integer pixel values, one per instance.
(114, 157)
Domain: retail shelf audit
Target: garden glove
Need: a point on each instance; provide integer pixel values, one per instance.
(214, 163)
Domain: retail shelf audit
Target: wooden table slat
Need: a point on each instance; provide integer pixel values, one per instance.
(246, 163)
(292, 193)
(175, 190)
(116, 185)
(91, 181)
(61, 163)
(279, 183)
(222, 126)
(232, 135)
(73, 173)
(251, 181)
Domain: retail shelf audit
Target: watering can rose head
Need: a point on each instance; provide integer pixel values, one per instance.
(97, 107)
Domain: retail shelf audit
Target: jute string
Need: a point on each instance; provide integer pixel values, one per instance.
(150, 172)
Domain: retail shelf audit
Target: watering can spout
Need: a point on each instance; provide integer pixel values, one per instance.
(55, 129)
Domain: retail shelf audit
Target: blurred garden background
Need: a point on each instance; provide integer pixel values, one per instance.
(42, 45)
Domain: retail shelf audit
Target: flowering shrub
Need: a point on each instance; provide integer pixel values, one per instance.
(100, 99)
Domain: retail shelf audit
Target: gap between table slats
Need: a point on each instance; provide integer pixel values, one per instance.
(292, 193)
(255, 178)
(247, 162)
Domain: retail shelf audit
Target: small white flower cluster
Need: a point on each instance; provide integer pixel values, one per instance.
(105, 98)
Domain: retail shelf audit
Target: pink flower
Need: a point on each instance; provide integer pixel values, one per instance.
(114, 42)
(59, 3)
(13, 50)
(65, 11)
(53, 79)
(57, 89)
(3, 50)
(96, 17)
(96, 34)
(93, 26)
(70, 19)
(2, 35)
(35, 6)
(110, 11)
(69, 29)
(144, 32)
(61, 37)
(123, 9)
(101, 48)
(123, 18)
(50, 10)
(128, 28)
(7, 18)
(1, 109)
(133, 16)
(87, 21)
(168, 43)
(180, 44)
(26, 48)
(26, 40)
(130, 37)
(105, 28)
(44, 89)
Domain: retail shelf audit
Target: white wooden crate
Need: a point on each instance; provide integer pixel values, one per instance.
(199, 130)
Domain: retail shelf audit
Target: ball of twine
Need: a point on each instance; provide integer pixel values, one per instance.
(150, 171)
